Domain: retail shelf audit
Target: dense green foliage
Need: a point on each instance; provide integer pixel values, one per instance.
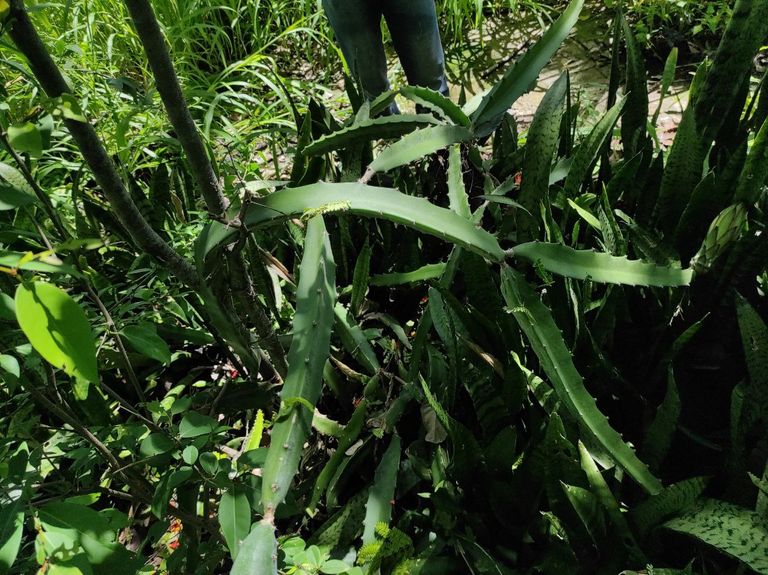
(425, 343)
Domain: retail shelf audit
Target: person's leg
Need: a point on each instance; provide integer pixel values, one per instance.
(357, 25)
(416, 36)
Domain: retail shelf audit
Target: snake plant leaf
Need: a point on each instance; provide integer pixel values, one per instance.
(354, 340)
(731, 65)
(383, 128)
(754, 337)
(258, 553)
(343, 527)
(436, 102)
(541, 147)
(386, 203)
(547, 342)
(58, 329)
(587, 508)
(601, 267)
(521, 76)
(672, 500)
(360, 278)
(418, 144)
(755, 170)
(635, 119)
(310, 347)
(379, 506)
(589, 150)
(606, 498)
(682, 173)
(658, 438)
(731, 529)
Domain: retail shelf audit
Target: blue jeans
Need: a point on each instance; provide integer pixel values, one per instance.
(415, 35)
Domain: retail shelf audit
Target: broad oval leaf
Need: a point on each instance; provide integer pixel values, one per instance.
(81, 525)
(10, 365)
(144, 339)
(235, 519)
(155, 444)
(58, 329)
(541, 147)
(195, 424)
(11, 528)
(26, 137)
(7, 308)
(15, 192)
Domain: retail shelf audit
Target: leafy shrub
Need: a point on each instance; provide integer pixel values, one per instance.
(500, 362)
(664, 24)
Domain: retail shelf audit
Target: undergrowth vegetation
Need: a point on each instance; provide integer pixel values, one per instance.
(425, 343)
